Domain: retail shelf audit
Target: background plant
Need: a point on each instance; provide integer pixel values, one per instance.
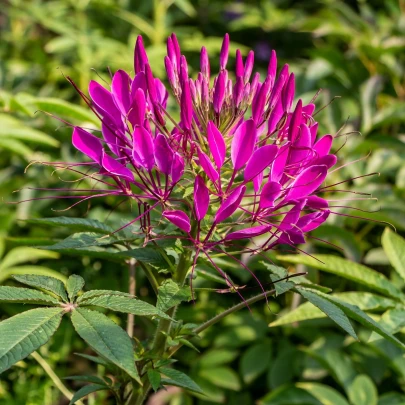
(352, 50)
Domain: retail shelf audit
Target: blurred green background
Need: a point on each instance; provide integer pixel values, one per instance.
(353, 50)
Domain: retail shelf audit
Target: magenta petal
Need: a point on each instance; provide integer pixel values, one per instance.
(313, 129)
(271, 191)
(140, 57)
(328, 161)
(110, 137)
(292, 216)
(178, 218)
(306, 182)
(116, 168)
(316, 202)
(288, 93)
(248, 232)
(177, 168)
(143, 145)
(216, 144)
(88, 144)
(230, 205)
(121, 91)
(243, 143)
(163, 154)
(138, 107)
(239, 68)
(261, 158)
(223, 56)
(257, 182)
(103, 100)
(272, 68)
(139, 82)
(312, 221)
(275, 117)
(201, 198)
(295, 122)
(259, 102)
(186, 105)
(207, 166)
(277, 168)
(219, 92)
(322, 147)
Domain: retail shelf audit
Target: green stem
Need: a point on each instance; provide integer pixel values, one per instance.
(56, 380)
(163, 328)
(225, 313)
(132, 291)
(151, 277)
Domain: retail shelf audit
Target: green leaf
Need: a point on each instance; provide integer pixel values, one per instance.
(33, 270)
(365, 301)
(127, 305)
(25, 254)
(329, 308)
(86, 390)
(394, 247)
(255, 361)
(369, 92)
(154, 379)
(324, 394)
(147, 255)
(349, 270)
(106, 338)
(354, 312)
(26, 332)
(179, 379)
(217, 357)
(170, 295)
(94, 359)
(362, 391)
(223, 377)
(74, 285)
(26, 295)
(64, 109)
(75, 224)
(392, 321)
(50, 284)
(86, 378)
(96, 293)
(289, 395)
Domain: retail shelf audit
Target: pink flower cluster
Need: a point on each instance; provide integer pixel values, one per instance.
(252, 160)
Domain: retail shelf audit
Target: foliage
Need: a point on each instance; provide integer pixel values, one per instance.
(350, 49)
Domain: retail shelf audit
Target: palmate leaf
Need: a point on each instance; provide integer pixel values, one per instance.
(125, 304)
(50, 284)
(26, 295)
(97, 293)
(106, 338)
(349, 270)
(171, 294)
(25, 333)
(74, 285)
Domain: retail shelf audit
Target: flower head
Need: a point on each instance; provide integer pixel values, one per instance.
(251, 157)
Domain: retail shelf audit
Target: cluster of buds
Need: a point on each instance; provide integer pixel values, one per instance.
(241, 162)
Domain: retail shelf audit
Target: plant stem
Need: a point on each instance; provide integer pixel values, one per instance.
(225, 313)
(163, 328)
(151, 277)
(56, 380)
(132, 291)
